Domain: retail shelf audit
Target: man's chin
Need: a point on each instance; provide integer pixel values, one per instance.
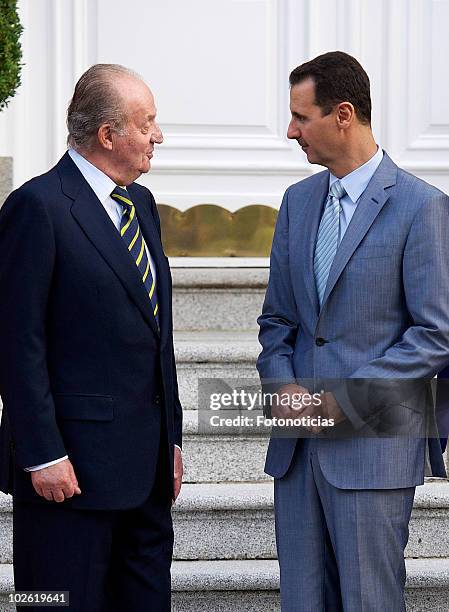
(145, 167)
(313, 159)
(309, 155)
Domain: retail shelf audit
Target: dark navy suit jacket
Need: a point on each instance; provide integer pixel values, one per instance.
(84, 369)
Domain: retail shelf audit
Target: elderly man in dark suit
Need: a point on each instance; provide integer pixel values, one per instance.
(92, 424)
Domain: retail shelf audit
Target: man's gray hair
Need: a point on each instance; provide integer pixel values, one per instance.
(96, 100)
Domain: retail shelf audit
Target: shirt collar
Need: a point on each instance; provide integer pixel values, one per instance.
(357, 181)
(100, 183)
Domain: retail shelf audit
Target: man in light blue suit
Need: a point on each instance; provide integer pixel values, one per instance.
(358, 289)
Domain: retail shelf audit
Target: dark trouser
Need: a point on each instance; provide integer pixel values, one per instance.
(109, 561)
(339, 549)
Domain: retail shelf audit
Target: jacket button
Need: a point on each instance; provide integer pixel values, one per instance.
(320, 341)
(157, 400)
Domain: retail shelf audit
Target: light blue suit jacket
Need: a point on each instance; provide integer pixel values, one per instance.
(385, 314)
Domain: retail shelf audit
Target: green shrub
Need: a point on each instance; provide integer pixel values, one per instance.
(10, 50)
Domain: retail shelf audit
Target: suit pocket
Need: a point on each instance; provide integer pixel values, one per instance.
(373, 251)
(84, 407)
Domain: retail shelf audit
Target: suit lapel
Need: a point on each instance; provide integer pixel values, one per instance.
(153, 242)
(371, 203)
(91, 216)
(310, 220)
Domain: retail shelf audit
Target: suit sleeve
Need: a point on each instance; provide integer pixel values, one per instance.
(278, 321)
(27, 259)
(176, 402)
(177, 407)
(423, 350)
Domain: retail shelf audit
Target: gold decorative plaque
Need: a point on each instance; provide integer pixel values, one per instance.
(208, 230)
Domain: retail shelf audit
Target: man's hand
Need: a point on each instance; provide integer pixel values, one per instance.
(328, 409)
(292, 406)
(57, 482)
(178, 472)
(331, 409)
(288, 403)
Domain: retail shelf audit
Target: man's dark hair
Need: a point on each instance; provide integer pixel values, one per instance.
(338, 78)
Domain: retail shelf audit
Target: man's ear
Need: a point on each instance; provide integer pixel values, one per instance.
(345, 115)
(104, 136)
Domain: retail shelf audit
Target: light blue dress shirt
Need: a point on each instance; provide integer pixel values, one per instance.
(355, 184)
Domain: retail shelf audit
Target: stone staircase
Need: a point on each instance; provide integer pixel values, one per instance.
(225, 556)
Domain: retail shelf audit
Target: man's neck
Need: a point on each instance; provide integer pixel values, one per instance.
(102, 164)
(354, 157)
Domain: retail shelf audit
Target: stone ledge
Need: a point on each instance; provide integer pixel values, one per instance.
(219, 459)
(5, 503)
(225, 278)
(218, 298)
(6, 578)
(434, 493)
(225, 496)
(225, 575)
(237, 586)
(264, 575)
(5, 177)
(261, 574)
(427, 573)
(209, 346)
(259, 495)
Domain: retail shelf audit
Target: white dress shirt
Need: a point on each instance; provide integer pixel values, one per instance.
(102, 186)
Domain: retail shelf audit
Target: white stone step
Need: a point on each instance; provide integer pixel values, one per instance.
(221, 458)
(242, 586)
(5, 528)
(6, 586)
(429, 525)
(225, 521)
(217, 346)
(236, 521)
(224, 458)
(253, 586)
(218, 298)
(225, 586)
(5, 177)
(213, 355)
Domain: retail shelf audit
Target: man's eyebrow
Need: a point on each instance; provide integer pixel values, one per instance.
(297, 115)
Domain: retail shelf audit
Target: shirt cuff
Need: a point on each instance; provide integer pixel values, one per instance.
(35, 468)
(178, 447)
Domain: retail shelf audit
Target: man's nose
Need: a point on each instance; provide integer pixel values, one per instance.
(293, 131)
(157, 136)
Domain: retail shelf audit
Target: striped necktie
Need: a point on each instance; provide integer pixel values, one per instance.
(327, 241)
(131, 234)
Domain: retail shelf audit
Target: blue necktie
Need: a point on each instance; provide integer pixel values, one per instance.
(327, 241)
(131, 234)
